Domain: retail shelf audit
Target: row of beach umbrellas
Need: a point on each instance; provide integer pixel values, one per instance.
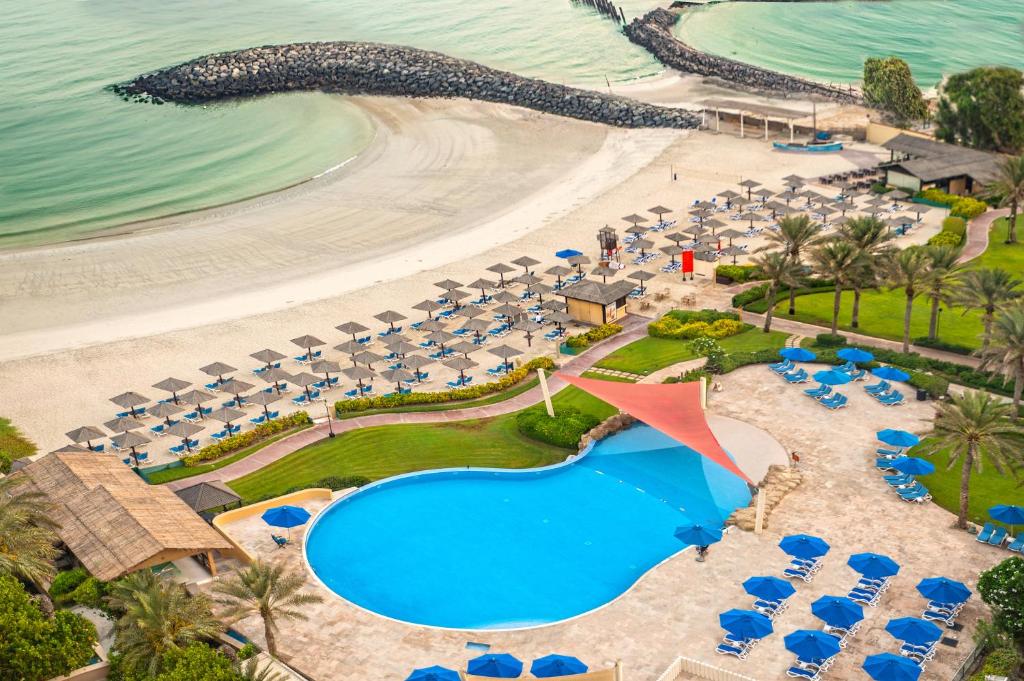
(505, 666)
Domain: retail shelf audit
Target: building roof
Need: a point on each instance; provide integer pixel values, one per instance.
(931, 161)
(110, 518)
(207, 495)
(591, 291)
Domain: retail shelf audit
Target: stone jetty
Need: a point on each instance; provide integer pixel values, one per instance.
(653, 31)
(378, 69)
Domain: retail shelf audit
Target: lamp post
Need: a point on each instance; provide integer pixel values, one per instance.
(327, 410)
(938, 320)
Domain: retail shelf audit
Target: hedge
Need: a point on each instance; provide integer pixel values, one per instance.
(828, 340)
(679, 325)
(331, 482)
(945, 239)
(67, 581)
(739, 273)
(598, 333)
(936, 344)
(1000, 662)
(564, 429)
(469, 393)
(247, 439)
(960, 206)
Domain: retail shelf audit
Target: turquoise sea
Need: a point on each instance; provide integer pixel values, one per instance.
(74, 159)
(829, 40)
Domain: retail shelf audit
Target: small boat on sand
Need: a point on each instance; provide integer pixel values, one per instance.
(818, 147)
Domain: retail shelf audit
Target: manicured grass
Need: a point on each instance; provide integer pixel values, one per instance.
(988, 488)
(14, 445)
(650, 354)
(448, 406)
(881, 313)
(171, 474)
(384, 451)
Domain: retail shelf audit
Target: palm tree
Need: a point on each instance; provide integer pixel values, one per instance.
(780, 270)
(910, 271)
(986, 289)
(972, 427)
(870, 236)
(265, 590)
(159, 616)
(250, 670)
(945, 271)
(1008, 188)
(1005, 353)
(796, 234)
(27, 539)
(839, 259)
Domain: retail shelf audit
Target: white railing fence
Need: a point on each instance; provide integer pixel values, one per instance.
(967, 665)
(702, 670)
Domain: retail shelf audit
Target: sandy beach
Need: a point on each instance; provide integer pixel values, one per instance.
(447, 189)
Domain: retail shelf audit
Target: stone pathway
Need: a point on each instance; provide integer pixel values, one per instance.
(634, 328)
(615, 374)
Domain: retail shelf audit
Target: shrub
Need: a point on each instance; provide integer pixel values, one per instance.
(459, 394)
(683, 325)
(709, 347)
(1002, 588)
(249, 438)
(89, 593)
(945, 239)
(598, 333)
(968, 208)
(335, 482)
(938, 196)
(564, 429)
(954, 224)
(827, 340)
(879, 188)
(935, 386)
(67, 581)
(708, 316)
(724, 328)
(247, 651)
(936, 344)
(751, 295)
(738, 273)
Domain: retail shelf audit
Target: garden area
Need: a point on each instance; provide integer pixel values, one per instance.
(988, 488)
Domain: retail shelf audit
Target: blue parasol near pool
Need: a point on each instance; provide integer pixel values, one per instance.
(797, 354)
(557, 665)
(434, 673)
(897, 438)
(890, 374)
(769, 588)
(695, 534)
(285, 516)
(873, 565)
(914, 630)
(567, 253)
(855, 355)
(832, 377)
(837, 611)
(810, 645)
(889, 667)
(746, 624)
(912, 465)
(943, 590)
(496, 666)
(804, 546)
(1006, 513)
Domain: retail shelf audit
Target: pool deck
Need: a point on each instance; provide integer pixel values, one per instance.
(673, 610)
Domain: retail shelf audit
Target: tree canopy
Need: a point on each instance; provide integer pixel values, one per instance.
(1002, 587)
(983, 108)
(34, 647)
(889, 85)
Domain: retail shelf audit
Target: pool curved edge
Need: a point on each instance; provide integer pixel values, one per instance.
(572, 459)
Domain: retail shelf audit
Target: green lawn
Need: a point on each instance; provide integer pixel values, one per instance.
(448, 406)
(384, 451)
(987, 488)
(881, 313)
(650, 354)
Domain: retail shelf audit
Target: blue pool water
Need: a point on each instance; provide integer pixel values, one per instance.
(473, 549)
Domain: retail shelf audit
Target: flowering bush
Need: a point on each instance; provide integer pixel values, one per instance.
(247, 439)
(680, 325)
(598, 333)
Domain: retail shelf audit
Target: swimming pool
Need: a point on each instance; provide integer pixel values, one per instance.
(484, 549)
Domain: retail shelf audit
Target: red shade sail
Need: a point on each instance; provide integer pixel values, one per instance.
(672, 408)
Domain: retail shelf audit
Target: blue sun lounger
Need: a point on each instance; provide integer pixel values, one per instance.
(878, 388)
(835, 401)
(997, 537)
(819, 392)
(986, 533)
(1017, 544)
(798, 376)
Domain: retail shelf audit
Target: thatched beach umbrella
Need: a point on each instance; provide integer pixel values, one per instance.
(788, 197)
(389, 317)
(637, 230)
(218, 369)
(471, 311)
(416, 362)
(897, 196)
(165, 410)
(794, 182)
(749, 186)
(325, 367)
(506, 298)
(130, 440)
(483, 285)
(529, 279)
(714, 224)
(123, 424)
(559, 318)
(397, 376)
(428, 306)
(677, 237)
(463, 347)
(185, 431)
(729, 195)
(402, 347)
(695, 230)
(196, 398)
(660, 212)
(540, 288)
(578, 261)
(604, 272)
(635, 219)
(526, 262)
(558, 271)
(172, 385)
(671, 251)
(702, 214)
(276, 377)
(308, 342)
(267, 357)
(359, 374)
(235, 387)
(447, 284)
(919, 209)
(227, 415)
(455, 295)
(366, 357)
(528, 326)
(642, 276)
(352, 328)
(510, 312)
(86, 434)
(477, 326)
(554, 305)
(643, 245)
(505, 353)
(130, 400)
(731, 234)
(733, 251)
(441, 337)
(753, 217)
(305, 380)
(461, 364)
(433, 325)
(501, 269)
(264, 399)
(764, 193)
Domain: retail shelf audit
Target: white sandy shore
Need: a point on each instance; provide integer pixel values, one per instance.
(447, 189)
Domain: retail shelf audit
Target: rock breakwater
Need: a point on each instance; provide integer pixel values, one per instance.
(653, 31)
(378, 69)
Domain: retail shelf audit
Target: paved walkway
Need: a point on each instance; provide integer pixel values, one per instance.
(977, 233)
(635, 327)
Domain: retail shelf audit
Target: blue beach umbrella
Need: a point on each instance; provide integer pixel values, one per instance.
(912, 465)
(943, 590)
(567, 253)
(837, 611)
(434, 673)
(855, 355)
(889, 667)
(804, 546)
(890, 374)
(914, 630)
(285, 516)
(1005, 513)
(769, 588)
(897, 438)
(557, 665)
(873, 565)
(832, 377)
(797, 354)
(496, 666)
(695, 534)
(810, 644)
(745, 623)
